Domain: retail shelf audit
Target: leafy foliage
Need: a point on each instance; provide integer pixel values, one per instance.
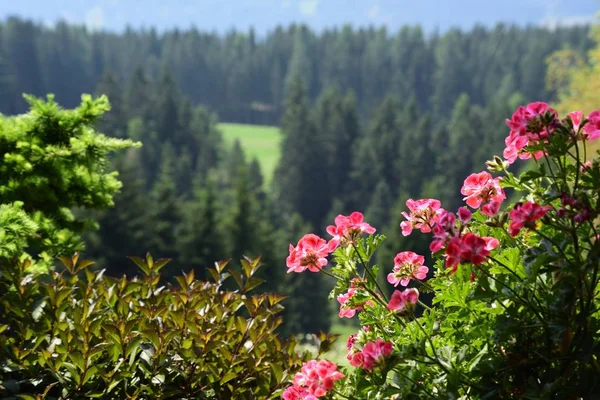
(80, 334)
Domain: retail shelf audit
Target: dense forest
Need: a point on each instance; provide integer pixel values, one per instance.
(362, 113)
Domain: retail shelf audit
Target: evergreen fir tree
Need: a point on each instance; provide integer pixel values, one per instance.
(301, 184)
(123, 228)
(114, 122)
(200, 240)
(164, 211)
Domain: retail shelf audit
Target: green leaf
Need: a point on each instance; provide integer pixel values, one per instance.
(228, 376)
(89, 373)
(252, 283)
(38, 310)
(141, 264)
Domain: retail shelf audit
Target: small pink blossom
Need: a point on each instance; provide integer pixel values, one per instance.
(592, 128)
(585, 167)
(475, 248)
(375, 352)
(482, 188)
(399, 300)
(576, 118)
(309, 253)
(347, 229)
(423, 215)
(345, 311)
(407, 266)
(464, 215)
(491, 209)
(525, 214)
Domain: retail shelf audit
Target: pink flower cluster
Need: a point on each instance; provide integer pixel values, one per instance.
(524, 215)
(314, 380)
(591, 130)
(348, 228)
(311, 251)
(469, 248)
(573, 208)
(400, 300)
(407, 266)
(371, 355)
(423, 215)
(347, 310)
(482, 189)
(460, 247)
(526, 129)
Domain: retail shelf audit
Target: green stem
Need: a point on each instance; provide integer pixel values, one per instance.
(370, 273)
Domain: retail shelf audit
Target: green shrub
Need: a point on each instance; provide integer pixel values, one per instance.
(52, 161)
(80, 334)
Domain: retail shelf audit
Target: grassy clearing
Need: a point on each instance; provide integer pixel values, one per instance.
(258, 141)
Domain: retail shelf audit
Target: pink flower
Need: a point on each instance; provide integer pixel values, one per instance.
(491, 209)
(439, 239)
(481, 188)
(475, 248)
(297, 393)
(407, 266)
(309, 253)
(454, 250)
(317, 377)
(356, 359)
(586, 166)
(469, 248)
(399, 299)
(576, 118)
(347, 229)
(592, 128)
(375, 352)
(351, 340)
(525, 214)
(526, 129)
(347, 312)
(464, 215)
(423, 215)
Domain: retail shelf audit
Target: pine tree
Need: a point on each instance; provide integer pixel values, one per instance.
(166, 111)
(114, 122)
(300, 181)
(243, 218)
(200, 240)
(123, 230)
(164, 210)
(336, 122)
(378, 211)
(137, 96)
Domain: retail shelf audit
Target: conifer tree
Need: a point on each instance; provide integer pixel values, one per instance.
(300, 182)
(123, 228)
(114, 122)
(200, 238)
(164, 210)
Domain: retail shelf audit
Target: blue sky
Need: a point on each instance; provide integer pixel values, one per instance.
(222, 15)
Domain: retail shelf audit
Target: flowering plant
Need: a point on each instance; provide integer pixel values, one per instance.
(516, 309)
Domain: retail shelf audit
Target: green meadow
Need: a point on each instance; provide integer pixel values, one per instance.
(258, 141)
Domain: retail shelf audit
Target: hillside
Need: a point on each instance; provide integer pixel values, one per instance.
(258, 141)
